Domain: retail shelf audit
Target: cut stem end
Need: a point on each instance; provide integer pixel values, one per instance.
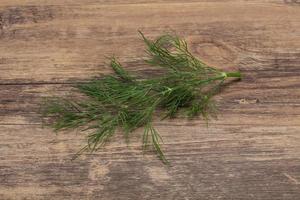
(236, 74)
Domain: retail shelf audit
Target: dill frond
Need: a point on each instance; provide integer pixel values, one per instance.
(123, 101)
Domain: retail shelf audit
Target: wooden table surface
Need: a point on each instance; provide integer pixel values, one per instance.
(252, 151)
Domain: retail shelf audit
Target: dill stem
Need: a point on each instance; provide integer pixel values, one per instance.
(221, 77)
(235, 74)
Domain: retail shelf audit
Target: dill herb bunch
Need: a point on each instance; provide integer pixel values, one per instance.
(125, 101)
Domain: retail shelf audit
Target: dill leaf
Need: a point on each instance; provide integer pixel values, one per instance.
(123, 101)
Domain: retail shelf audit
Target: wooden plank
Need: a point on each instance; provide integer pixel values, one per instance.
(261, 97)
(220, 162)
(43, 44)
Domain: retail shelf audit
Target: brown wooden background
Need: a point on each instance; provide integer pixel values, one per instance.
(251, 152)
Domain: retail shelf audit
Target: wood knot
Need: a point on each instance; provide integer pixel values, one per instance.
(213, 52)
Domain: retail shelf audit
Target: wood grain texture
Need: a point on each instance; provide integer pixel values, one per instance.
(251, 152)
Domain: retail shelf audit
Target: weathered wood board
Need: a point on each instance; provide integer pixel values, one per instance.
(252, 151)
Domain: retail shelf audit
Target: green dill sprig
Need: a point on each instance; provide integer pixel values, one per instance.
(124, 101)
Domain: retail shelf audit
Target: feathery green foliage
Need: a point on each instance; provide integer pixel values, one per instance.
(124, 101)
